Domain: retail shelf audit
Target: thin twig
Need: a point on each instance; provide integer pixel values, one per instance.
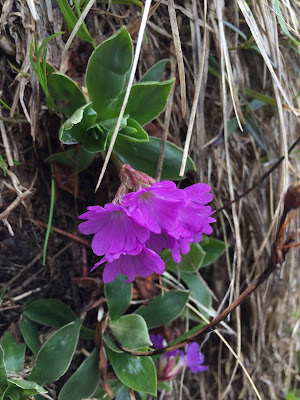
(238, 197)
(61, 232)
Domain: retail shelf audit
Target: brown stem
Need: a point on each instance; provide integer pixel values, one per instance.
(61, 232)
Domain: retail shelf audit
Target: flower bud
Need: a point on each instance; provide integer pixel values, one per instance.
(292, 197)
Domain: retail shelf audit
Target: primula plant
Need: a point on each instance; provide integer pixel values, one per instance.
(152, 240)
(152, 230)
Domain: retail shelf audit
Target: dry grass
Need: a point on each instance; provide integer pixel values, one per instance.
(266, 327)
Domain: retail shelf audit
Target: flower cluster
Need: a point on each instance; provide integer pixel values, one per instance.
(129, 235)
(171, 364)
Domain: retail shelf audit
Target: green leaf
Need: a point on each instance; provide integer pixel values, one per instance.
(144, 157)
(133, 132)
(110, 343)
(256, 132)
(118, 294)
(238, 31)
(154, 74)
(49, 312)
(95, 139)
(14, 353)
(55, 355)
(100, 393)
(71, 19)
(138, 373)
(198, 291)
(260, 96)
(165, 385)
(146, 101)
(131, 330)
(123, 393)
(189, 262)
(107, 69)
(74, 129)
(67, 95)
(30, 334)
(11, 393)
(164, 308)
(187, 334)
(281, 22)
(86, 333)
(110, 124)
(3, 375)
(28, 388)
(84, 381)
(76, 159)
(213, 248)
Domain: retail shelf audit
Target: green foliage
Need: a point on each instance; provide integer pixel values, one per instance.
(3, 374)
(189, 262)
(164, 308)
(144, 157)
(12, 359)
(146, 101)
(198, 291)
(118, 295)
(139, 373)
(84, 381)
(14, 353)
(29, 330)
(213, 249)
(40, 67)
(71, 20)
(55, 355)
(67, 95)
(131, 331)
(92, 124)
(154, 74)
(77, 159)
(49, 312)
(107, 69)
(50, 216)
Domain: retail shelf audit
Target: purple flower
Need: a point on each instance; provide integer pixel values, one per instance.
(115, 231)
(195, 359)
(156, 207)
(129, 235)
(171, 363)
(143, 262)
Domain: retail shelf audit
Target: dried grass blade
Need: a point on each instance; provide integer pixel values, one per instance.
(133, 30)
(178, 51)
(233, 91)
(5, 142)
(196, 311)
(32, 9)
(195, 100)
(259, 41)
(128, 89)
(166, 124)
(76, 28)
